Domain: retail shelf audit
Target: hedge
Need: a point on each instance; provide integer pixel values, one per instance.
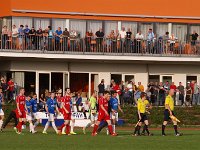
(187, 115)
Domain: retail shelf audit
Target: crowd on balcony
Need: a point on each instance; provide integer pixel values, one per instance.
(124, 41)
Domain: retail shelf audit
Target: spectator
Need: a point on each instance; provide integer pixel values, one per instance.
(10, 89)
(150, 38)
(5, 87)
(188, 95)
(195, 94)
(45, 38)
(5, 37)
(32, 34)
(194, 37)
(99, 39)
(181, 92)
(27, 38)
(126, 97)
(78, 101)
(86, 108)
(172, 42)
(58, 35)
(14, 36)
(140, 87)
(39, 39)
(88, 39)
(50, 38)
(111, 41)
(21, 36)
(65, 39)
(101, 88)
(173, 86)
(161, 94)
(122, 35)
(42, 102)
(128, 40)
(167, 87)
(73, 36)
(139, 38)
(115, 87)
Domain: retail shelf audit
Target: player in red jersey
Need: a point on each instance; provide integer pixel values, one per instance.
(103, 114)
(66, 111)
(21, 110)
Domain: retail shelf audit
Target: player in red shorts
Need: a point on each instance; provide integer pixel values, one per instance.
(103, 114)
(21, 110)
(66, 111)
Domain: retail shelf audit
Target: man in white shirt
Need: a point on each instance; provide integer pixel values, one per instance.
(139, 37)
(122, 35)
(14, 36)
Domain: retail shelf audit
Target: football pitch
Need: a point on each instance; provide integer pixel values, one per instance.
(9, 140)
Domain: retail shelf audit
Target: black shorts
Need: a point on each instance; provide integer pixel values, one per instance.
(167, 114)
(143, 117)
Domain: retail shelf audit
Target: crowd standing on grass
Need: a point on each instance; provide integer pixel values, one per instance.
(119, 41)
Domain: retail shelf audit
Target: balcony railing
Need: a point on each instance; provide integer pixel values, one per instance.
(103, 46)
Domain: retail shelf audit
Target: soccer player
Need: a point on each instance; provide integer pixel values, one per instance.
(34, 105)
(115, 106)
(103, 114)
(66, 111)
(1, 110)
(169, 111)
(51, 106)
(142, 117)
(21, 110)
(93, 111)
(29, 113)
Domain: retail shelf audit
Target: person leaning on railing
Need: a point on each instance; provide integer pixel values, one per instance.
(88, 39)
(5, 37)
(73, 37)
(39, 39)
(65, 39)
(99, 39)
(128, 40)
(21, 36)
(32, 34)
(45, 38)
(14, 37)
(193, 38)
(139, 39)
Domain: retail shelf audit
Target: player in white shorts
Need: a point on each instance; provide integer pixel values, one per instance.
(115, 106)
(34, 105)
(29, 114)
(93, 111)
(1, 110)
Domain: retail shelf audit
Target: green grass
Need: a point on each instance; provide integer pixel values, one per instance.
(9, 140)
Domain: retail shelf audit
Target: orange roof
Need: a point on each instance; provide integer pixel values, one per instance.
(181, 11)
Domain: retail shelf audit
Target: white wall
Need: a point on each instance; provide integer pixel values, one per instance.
(180, 78)
(143, 78)
(106, 76)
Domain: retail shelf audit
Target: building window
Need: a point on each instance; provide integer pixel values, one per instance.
(79, 26)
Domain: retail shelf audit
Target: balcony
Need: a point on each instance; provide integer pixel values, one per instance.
(98, 48)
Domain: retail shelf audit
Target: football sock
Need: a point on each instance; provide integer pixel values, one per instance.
(67, 129)
(72, 127)
(61, 127)
(31, 127)
(113, 126)
(175, 129)
(19, 127)
(163, 129)
(95, 128)
(136, 128)
(146, 128)
(110, 129)
(54, 126)
(1, 123)
(139, 130)
(46, 126)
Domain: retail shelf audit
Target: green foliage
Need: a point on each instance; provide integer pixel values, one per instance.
(187, 115)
